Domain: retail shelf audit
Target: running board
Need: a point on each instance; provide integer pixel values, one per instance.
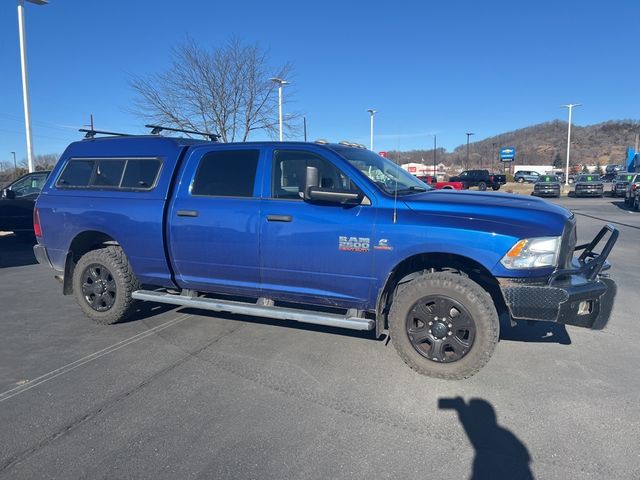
(281, 313)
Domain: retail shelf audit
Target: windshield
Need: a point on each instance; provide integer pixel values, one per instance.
(387, 176)
(589, 178)
(624, 178)
(548, 178)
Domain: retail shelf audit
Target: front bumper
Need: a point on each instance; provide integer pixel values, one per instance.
(589, 191)
(547, 191)
(577, 296)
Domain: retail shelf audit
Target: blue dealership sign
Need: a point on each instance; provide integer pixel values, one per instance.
(507, 154)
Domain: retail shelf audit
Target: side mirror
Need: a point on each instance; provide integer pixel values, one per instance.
(314, 193)
(311, 181)
(8, 194)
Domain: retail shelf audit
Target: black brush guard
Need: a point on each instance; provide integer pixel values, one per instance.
(578, 296)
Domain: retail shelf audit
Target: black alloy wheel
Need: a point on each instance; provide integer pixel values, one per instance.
(99, 287)
(440, 328)
(444, 325)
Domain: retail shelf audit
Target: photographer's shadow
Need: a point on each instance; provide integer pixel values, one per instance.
(499, 454)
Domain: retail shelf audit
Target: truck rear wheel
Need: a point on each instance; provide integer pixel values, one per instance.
(444, 325)
(103, 283)
(482, 186)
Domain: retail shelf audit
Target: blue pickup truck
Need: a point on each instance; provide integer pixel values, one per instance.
(331, 234)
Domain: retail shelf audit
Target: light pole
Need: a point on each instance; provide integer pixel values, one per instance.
(25, 80)
(435, 167)
(493, 156)
(280, 82)
(468, 135)
(570, 107)
(15, 165)
(372, 113)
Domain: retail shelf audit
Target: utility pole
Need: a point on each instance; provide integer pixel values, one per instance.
(304, 124)
(435, 167)
(468, 135)
(493, 155)
(15, 165)
(570, 107)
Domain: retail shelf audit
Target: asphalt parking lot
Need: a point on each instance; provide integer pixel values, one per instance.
(178, 393)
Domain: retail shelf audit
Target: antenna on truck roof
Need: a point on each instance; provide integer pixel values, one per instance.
(156, 129)
(91, 133)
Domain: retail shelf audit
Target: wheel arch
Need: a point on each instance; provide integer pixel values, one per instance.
(428, 262)
(82, 243)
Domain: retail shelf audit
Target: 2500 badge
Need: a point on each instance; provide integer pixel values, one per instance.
(353, 244)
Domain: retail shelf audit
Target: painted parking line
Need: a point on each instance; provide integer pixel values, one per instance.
(89, 358)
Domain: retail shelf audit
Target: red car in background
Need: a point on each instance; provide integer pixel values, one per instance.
(429, 180)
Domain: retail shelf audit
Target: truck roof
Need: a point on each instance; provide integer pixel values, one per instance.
(147, 140)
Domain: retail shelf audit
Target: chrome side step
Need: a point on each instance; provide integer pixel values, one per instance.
(262, 309)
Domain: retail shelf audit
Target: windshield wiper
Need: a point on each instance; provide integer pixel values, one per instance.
(410, 190)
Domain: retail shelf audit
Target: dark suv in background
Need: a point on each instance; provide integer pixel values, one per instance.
(528, 176)
(17, 201)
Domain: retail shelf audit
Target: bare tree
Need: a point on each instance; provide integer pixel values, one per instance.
(225, 91)
(41, 162)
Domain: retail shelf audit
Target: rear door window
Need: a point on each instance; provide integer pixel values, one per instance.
(226, 173)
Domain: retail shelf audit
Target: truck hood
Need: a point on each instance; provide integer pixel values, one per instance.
(515, 215)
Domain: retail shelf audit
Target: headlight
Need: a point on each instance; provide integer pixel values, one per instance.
(532, 253)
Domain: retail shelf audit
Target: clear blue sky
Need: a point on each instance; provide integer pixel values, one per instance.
(427, 66)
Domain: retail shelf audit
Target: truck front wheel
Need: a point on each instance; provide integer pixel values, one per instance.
(444, 325)
(103, 283)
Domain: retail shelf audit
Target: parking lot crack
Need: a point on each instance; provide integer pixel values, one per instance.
(66, 429)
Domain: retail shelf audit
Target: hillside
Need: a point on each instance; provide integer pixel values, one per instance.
(543, 144)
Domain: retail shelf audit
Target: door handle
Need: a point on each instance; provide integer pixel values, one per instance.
(279, 218)
(187, 213)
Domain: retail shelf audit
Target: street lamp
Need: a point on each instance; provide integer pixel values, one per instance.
(25, 81)
(570, 107)
(280, 82)
(372, 112)
(468, 135)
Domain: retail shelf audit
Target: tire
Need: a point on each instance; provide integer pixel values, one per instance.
(520, 180)
(636, 203)
(482, 186)
(103, 283)
(436, 296)
(496, 188)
